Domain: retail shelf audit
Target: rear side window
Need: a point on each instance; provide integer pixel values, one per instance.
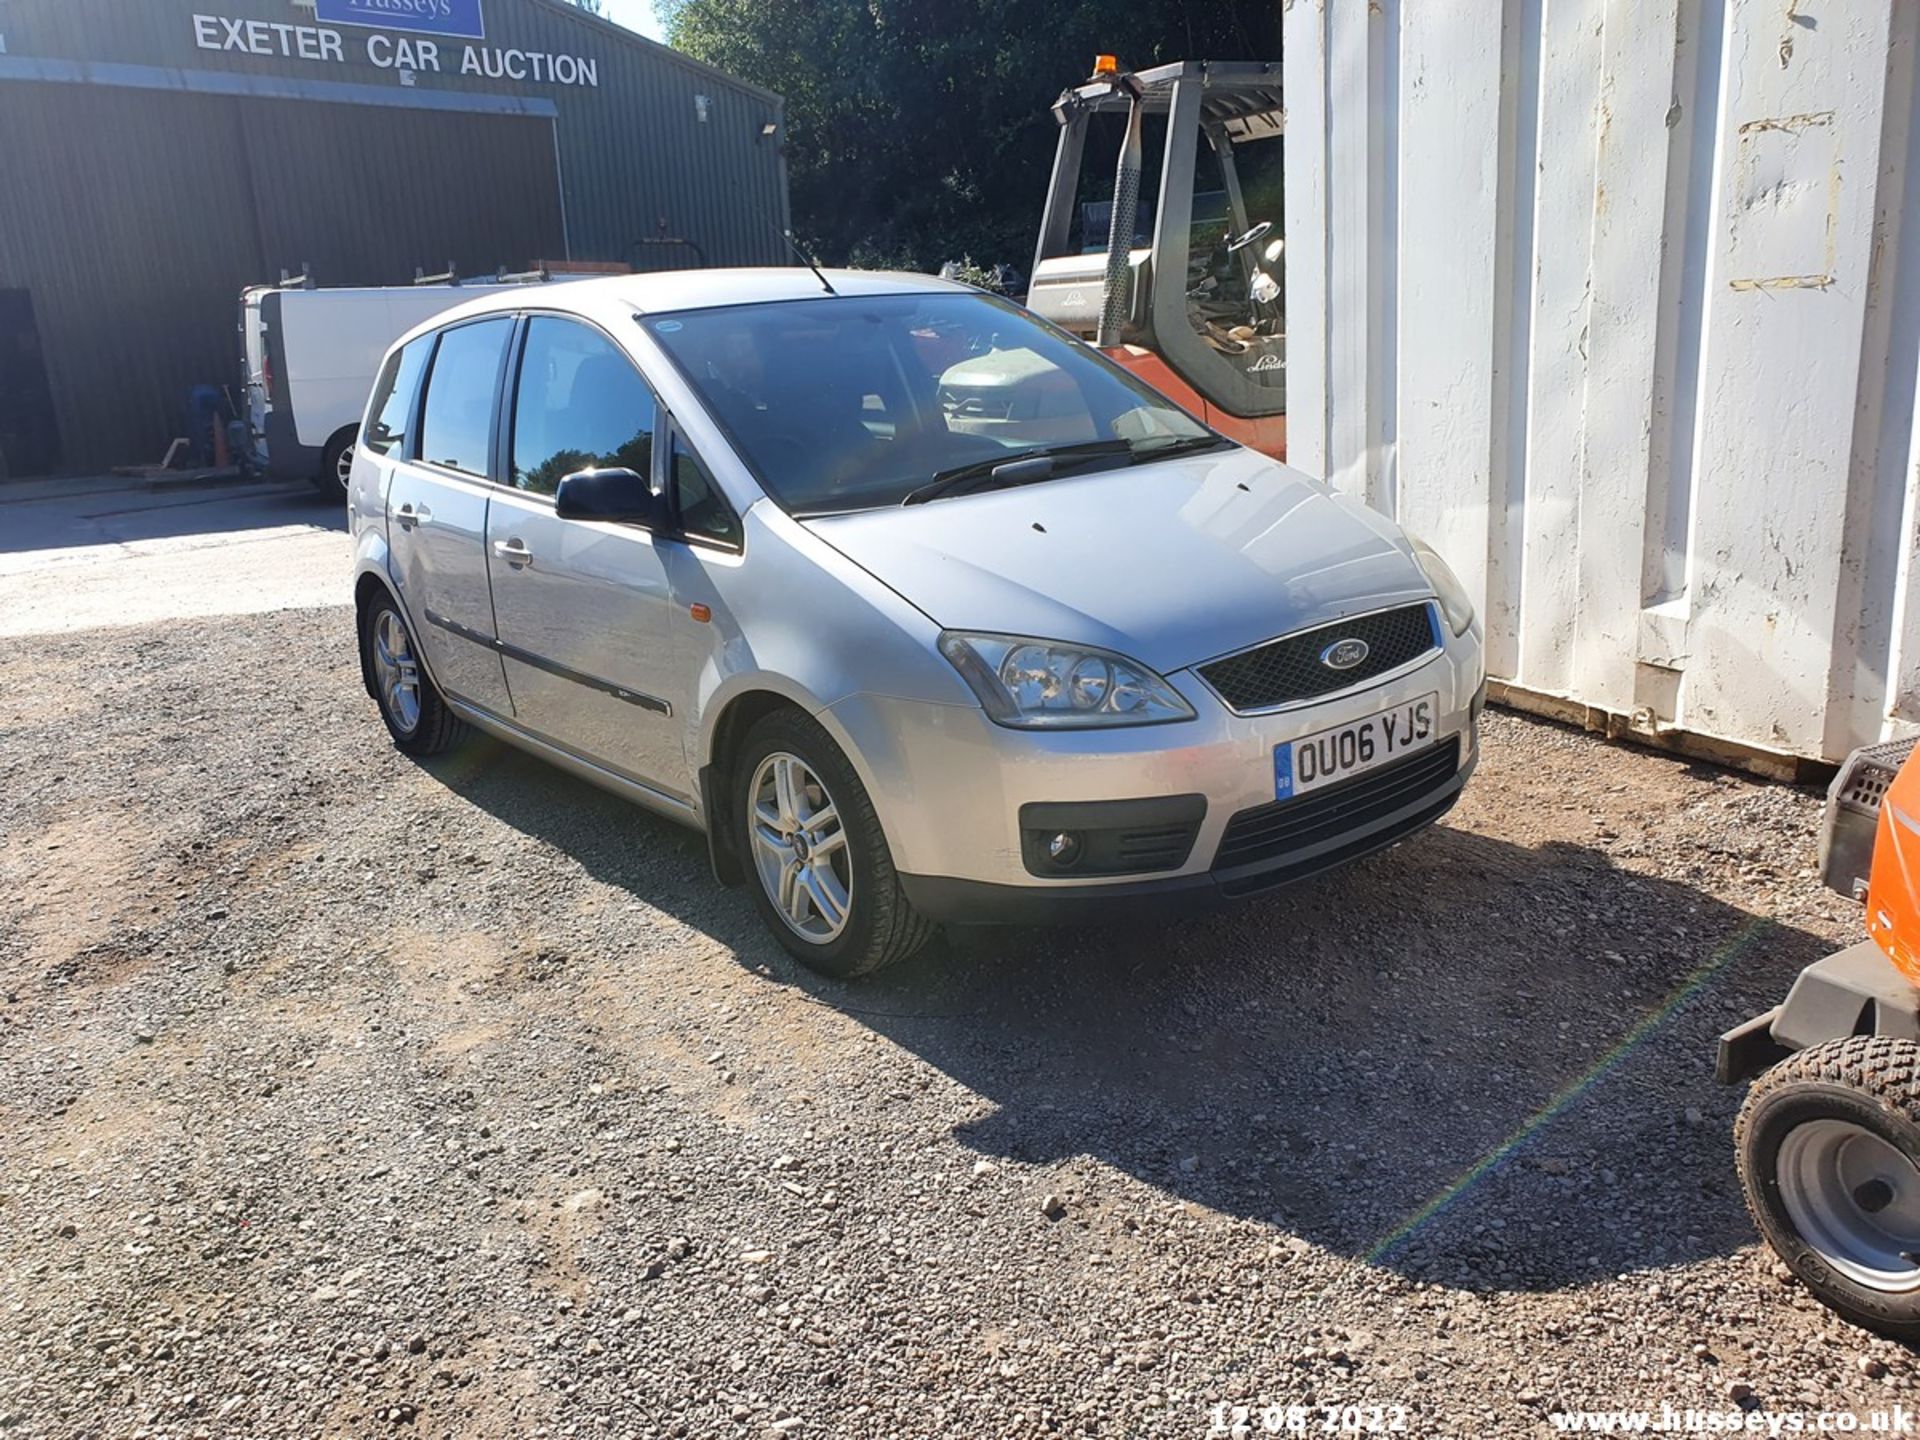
(704, 512)
(456, 426)
(580, 405)
(393, 397)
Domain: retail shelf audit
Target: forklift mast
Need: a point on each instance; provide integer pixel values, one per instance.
(1198, 309)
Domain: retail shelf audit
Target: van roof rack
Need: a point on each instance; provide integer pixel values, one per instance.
(501, 276)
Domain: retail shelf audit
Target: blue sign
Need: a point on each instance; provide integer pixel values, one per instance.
(459, 19)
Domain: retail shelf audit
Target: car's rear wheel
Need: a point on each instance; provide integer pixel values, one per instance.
(1828, 1144)
(335, 476)
(820, 870)
(416, 715)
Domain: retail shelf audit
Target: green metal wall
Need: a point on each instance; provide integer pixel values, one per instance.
(145, 180)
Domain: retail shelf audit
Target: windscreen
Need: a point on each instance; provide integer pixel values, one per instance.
(851, 403)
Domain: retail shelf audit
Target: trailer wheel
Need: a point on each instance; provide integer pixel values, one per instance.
(1828, 1145)
(335, 476)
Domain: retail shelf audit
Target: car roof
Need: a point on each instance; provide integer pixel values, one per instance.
(671, 290)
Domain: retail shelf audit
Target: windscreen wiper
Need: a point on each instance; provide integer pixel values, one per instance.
(1162, 446)
(1020, 468)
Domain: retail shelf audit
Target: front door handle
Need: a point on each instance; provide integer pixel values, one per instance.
(408, 516)
(514, 552)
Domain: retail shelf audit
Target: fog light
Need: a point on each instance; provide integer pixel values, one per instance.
(1063, 848)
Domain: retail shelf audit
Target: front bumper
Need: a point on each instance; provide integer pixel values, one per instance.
(961, 902)
(950, 788)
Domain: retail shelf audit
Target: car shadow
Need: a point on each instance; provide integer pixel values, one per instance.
(1479, 1063)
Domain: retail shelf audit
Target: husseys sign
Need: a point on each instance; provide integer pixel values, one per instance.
(460, 19)
(410, 53)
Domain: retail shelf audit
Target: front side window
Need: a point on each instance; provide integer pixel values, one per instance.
(456, 426)
(393, 397)
(580, 405)
(703, 510)
(854, 402)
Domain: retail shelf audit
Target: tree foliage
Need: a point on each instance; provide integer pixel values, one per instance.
(918, 130)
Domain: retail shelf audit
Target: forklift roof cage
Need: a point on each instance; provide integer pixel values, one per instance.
(1140, 296)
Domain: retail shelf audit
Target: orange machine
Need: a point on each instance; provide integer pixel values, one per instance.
(1186, 286)
(1828, 1140)
(1893, 886)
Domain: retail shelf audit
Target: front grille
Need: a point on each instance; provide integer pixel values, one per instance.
(1267, 832)
(1290, 668)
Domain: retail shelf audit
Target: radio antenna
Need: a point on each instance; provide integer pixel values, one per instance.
(808, 261)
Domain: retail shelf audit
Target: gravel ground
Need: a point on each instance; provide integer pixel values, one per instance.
(344, 1096)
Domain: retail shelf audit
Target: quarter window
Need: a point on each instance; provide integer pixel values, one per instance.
(393, 397)
(580, 405)
(703, 510)
(456, 428)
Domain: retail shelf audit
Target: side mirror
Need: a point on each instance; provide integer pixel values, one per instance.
(613, 494)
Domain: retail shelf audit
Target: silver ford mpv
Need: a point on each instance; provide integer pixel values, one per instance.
(921, 610)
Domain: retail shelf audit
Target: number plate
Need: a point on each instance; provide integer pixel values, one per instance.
(1354, 748)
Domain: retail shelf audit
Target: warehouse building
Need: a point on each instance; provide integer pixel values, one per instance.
(160, 155)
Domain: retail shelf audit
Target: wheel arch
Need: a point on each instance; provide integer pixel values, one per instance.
(371, 582)
(726, 721)
(720, 742)
(367, 585)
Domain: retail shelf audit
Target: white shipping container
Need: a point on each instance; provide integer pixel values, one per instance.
(1617, 302)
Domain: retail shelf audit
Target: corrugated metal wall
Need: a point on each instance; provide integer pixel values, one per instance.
(132, 283)
(150, 209)
(136, 202)
(1622, 312)
(329, 187)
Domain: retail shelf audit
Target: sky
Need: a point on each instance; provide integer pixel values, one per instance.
(635, 15)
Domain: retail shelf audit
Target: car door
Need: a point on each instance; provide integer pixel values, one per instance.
(581, 606)
(437, 513)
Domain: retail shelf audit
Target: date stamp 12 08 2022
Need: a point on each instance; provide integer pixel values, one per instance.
(1238, 1422)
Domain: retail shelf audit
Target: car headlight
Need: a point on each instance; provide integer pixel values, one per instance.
(1455, 603)
(1049, 685)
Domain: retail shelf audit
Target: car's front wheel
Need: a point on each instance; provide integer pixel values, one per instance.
(1828, 1144)
(821, 873)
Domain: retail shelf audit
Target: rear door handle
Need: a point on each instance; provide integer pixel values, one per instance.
(514, 552)
(407, 516)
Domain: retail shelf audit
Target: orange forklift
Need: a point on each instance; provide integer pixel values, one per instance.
(1828, 1141)
(1175, 271)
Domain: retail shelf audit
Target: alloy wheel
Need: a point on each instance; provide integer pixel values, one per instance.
(396, 671)
(800, 848)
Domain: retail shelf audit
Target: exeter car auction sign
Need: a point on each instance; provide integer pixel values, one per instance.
(459, 19)
(409, 55)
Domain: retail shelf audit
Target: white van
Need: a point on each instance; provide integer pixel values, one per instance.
(311, 355)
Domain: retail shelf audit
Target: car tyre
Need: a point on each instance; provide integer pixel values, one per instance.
(1828, 1147)
(816, 859)
(335, 476)
(416, 715)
